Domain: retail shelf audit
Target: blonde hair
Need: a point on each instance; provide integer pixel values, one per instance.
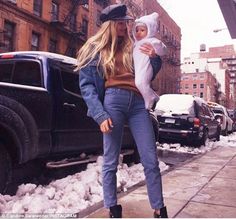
(105, 43)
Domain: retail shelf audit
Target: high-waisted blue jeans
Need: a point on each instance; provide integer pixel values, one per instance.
(124, 105)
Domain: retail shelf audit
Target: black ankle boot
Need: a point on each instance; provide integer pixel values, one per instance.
(163, 213)
(116, 211)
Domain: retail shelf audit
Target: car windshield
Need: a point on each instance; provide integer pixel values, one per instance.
(176, 104)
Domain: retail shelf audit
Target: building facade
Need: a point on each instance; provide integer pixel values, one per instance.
(200, 84)
(221, 62)
(50, 25)
(227, 56)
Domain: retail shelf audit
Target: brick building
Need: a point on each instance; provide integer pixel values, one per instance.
(227, 54)
(50, 25)
(214, 61)
(200, 84)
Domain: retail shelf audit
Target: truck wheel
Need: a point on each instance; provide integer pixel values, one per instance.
(5, 169)
(26, 125)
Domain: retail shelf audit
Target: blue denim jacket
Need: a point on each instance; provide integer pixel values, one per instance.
(92, 86)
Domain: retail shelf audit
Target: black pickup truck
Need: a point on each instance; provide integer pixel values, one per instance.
(42, 113)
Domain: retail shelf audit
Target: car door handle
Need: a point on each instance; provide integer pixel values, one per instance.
(71, 105)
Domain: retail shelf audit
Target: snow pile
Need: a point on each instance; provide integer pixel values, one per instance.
(70, 194)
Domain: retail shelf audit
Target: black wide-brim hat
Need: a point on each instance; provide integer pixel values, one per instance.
(114, 12)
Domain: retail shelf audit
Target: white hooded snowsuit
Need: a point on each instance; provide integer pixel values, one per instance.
(142, 67)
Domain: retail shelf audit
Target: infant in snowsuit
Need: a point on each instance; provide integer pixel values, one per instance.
(145, 31)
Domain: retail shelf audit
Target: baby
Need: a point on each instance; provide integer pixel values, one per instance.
(145, 31)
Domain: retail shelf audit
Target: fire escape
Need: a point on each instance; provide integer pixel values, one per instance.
(70, 27)
(134, 9)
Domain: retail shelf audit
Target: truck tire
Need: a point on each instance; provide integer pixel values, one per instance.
(5, 169)
(21, 114)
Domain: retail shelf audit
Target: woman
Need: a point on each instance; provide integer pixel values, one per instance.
(107, 86)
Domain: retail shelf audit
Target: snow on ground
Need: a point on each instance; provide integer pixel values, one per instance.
(81, 190)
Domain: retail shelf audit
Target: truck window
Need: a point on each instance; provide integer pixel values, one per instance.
(27, 73)
(6, 72)
(70, 81)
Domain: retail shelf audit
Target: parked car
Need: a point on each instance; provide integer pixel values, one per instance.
(42, 113)
(222, 117)
(186, 119)
(232, 114)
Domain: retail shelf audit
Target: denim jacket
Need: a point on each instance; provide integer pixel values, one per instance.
(92, 86)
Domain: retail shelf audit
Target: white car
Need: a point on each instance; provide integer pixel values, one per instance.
(222, 116)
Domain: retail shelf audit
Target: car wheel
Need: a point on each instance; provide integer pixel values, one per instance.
(204, 139)
(5, 169)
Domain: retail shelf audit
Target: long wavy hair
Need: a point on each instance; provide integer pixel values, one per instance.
(105, 43)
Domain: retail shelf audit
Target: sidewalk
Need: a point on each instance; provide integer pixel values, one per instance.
(204, 187)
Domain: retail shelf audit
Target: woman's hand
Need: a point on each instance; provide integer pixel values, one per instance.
(106, 126)
(148, 49)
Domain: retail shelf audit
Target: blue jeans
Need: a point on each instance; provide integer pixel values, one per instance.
(124, 105)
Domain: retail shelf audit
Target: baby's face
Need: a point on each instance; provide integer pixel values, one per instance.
(140, 32)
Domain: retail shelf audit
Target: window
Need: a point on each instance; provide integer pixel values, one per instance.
(35, 41)
(195, 77)
(201, 94)
(21, 72)
(202, 77)
(37, 8)
(85, 27)
(73, 22)
(9, 32)
(70, 81)
(98, 22)
(52, 45)
(27, 73)
(186, 86)
(55, 11)
(194, 86)
(5, 72)
(159, 26)
(185, 78)
(201, 85)
(197, 70)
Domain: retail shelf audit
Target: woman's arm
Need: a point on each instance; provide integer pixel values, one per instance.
(92, 88)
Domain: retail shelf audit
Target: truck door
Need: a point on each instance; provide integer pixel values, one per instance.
(73, 130)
